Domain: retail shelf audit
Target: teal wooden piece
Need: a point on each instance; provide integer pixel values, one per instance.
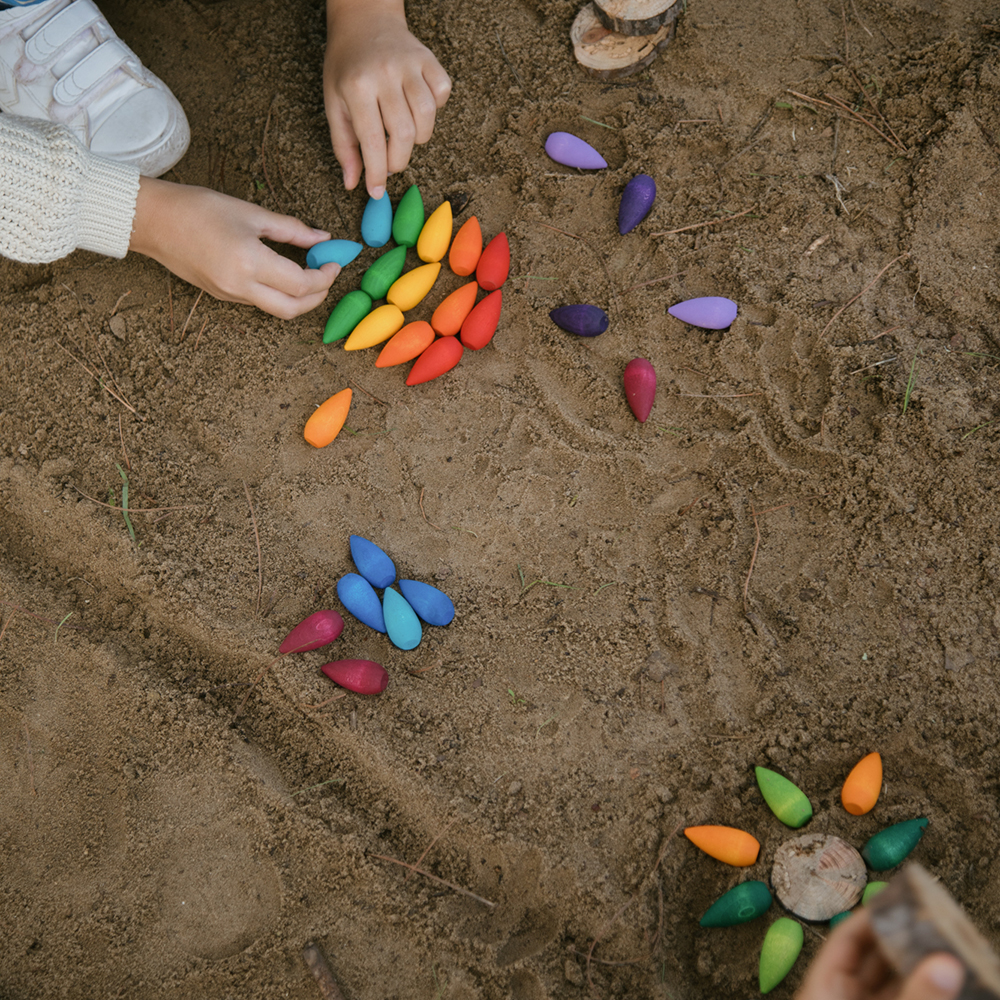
(839, 918)
(341, 252)
(743, 902)
(401, 622)
(785, 799)
(891, 845)
(781, 948)
(376, 223)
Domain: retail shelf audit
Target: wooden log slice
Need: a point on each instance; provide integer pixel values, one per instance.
(817, 876)
(638, 17)
(609, 55)
(914, 916)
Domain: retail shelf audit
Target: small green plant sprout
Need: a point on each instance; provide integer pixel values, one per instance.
(515, 698)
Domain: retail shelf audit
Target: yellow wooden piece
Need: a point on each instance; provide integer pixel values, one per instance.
(432, 243)
(377, 327)
(410, 288)
(325, 423)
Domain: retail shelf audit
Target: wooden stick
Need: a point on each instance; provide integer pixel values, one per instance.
(434, 878)
(863, 290)
(260, 561)
(700, 225)
(914, 916)
(431, 844)
(317, 964)
(840, 104)
(190, 314)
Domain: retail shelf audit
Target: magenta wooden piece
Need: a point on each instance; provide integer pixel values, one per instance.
(637, 200)
(640, 387)
(710, 313)
(571, 151)
(317, 630)
(360, 676)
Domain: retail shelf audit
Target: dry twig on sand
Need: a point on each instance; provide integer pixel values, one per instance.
(434, 878)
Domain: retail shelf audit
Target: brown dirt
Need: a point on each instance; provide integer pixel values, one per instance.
(555, 736)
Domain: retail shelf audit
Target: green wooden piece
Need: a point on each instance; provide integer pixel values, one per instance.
(872, 889)
(379, 277)
(785, 800)
(409, 218)
(839, 918)
(781, 947)
(888, 847)
(742, 903)
(346, 315)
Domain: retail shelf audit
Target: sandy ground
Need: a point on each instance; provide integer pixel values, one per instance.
(795, 561)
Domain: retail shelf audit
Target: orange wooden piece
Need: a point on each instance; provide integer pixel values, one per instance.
(440, 357)
(466, 248)
(863, 785)
(494, 265)
(325, 424)
(450, 314)
(725, 843)
(481, 323)
(405, 345)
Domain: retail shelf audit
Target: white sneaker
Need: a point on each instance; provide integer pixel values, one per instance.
(61, 61)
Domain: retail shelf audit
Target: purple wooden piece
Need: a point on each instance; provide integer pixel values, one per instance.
(571, 151)
(637, 200)
(710, 313)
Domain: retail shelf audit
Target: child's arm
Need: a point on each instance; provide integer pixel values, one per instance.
(214, 241)
(382, 89)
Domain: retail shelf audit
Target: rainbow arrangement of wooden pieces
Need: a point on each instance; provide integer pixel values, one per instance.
(842, 884)
(399, 613)
(615, 38)
(711, 312)
(320, 629)
(460, 321)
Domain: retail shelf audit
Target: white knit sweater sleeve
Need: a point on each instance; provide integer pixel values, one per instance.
(56, 196)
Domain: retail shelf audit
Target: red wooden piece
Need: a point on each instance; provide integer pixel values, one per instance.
(439, 358)
(481, 323)
(494, 264)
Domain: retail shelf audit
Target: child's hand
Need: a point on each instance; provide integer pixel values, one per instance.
(851, 967)
(382, 89)
(214, 241)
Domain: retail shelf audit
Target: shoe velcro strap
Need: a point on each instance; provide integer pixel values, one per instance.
(91, 70)
(60, 29)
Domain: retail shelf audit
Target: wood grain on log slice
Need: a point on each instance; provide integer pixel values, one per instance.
(609, 55)
(638, 17)
(817, 876)
(914, 916)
